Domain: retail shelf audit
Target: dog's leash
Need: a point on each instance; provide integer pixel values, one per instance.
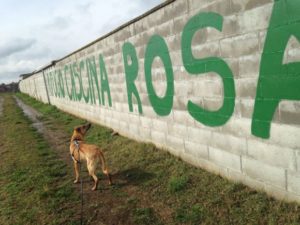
(76, 143)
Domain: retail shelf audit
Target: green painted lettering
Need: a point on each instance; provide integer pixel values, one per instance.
(69, 93)
(277, 81)
(131, 66)
(86, 96)
(157, 47)
(77, 75)
(56, 93)
(61, 84)
(104, 82)
(211, 64)
(93, 78)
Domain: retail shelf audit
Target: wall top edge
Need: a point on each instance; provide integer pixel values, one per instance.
(147, 13)
(156, 8)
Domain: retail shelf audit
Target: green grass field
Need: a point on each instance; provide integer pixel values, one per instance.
(32, 185)
(151, 186)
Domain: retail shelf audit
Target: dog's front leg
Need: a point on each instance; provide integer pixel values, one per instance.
(76, 168)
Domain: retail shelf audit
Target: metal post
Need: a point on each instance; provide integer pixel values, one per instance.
(46, 87)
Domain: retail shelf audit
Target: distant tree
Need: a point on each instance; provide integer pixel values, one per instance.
(11, 87)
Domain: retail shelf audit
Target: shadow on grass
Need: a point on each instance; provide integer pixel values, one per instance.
(132, 176)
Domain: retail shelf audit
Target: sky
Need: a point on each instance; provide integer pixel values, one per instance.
(35, 32)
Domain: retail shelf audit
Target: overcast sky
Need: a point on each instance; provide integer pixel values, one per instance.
(35, 32)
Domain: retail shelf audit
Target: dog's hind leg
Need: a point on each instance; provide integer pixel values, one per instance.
(104, 168)
(92, 169)
(76, 172)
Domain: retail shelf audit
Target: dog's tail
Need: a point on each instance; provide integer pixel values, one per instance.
(104, 167)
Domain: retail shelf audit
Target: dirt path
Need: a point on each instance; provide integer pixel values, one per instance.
(98, 206)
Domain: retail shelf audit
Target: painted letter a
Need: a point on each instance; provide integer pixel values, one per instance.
(277, 81)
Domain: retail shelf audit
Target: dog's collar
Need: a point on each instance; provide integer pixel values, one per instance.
(76, 143)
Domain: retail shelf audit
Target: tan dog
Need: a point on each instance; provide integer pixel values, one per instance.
(86, 152)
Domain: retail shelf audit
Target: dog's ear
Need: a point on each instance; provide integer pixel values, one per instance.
(77, 129)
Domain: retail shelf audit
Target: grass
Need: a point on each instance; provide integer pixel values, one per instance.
(162, 189)
(178, 183)
(32, 188)
(145, 216)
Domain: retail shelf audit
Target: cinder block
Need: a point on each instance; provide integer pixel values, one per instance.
(176, 9)
(272, 155)
(124, 126)
(165, 30)
(199, 136)
(144, 101)
(175, 144)
(149, 112)
(160, 88)
(180, 103)
(289, 112)
(230, 26)
(263, 172)
(246, 106)
(233, 64)
(221, 7)
(183, 88)
(142, 38)
(156, 18)
(204, 164)
(196, 150)
(134, 119)
(204, 87)
(158, 137)
(246, 88)
(235, 176)
(160, 125)
(285, 135)
(116, 115)
(238, 46)
(238, 127)
(194, 4)
(134, 130)
(124, 34)
(212, 103)
(243, 5)
(229, 143)
(225, 159)
(206, 49)
(179, 23)
(255, 19)
(146, 122)
(183, 118)
(176, 58)
(293, 182)
(177, 130)
(297, 153)
(174, 44)
(144, 133)
(249, 66)
(292, 51)
(124, 117)
(114, 124)
(254, 183)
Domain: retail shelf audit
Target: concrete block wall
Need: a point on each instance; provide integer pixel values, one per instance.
(35, 86)
(234, 60)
